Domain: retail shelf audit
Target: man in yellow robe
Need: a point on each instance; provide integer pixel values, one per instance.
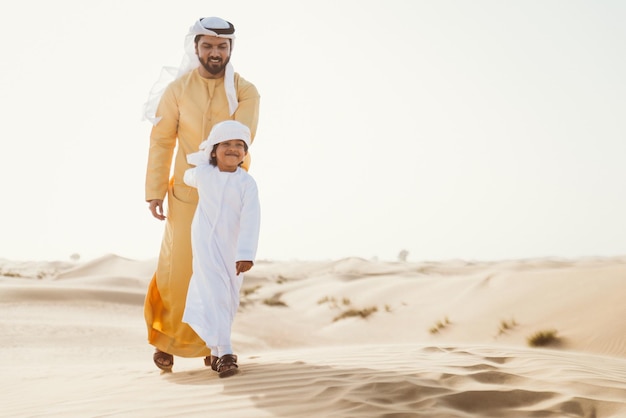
(205, 92)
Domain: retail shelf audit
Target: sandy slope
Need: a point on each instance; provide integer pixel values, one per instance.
(74, 341)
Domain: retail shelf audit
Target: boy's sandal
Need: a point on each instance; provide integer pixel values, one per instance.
(226, 365)
(163, 360)
(211, 361)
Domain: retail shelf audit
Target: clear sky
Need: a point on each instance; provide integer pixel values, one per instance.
(475, 130)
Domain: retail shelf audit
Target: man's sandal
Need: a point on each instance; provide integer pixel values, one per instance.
(163, 360)
(226, 365)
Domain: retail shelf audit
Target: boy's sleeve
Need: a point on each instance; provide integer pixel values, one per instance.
(250, 224)
(190, 177)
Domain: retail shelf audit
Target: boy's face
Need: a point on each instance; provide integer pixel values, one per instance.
(230, 154)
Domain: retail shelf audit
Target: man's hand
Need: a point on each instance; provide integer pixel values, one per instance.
(156, 207)
(243, 266)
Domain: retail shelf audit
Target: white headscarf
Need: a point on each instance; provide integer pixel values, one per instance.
(222, 131)
(213, 26)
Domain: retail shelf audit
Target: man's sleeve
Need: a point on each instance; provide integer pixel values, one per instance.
(162, 144)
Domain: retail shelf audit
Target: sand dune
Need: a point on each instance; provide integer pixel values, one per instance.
(339, 338)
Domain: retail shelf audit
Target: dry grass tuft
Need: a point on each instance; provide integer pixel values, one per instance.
(250, 290)
(543, 338)
(333, 302)
(347, 309)
(506, 326)
(363, 313)
(275, 301)
(439, 325)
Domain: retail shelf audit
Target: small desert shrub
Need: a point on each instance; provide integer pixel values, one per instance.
(363, 313)
(345, 304)
(333, 302)
(543, 338)
(325, 299)
(250, 290)
(506, 325)
(274, 301)
(439, 326)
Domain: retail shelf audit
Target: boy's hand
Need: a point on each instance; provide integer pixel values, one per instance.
(243, 266)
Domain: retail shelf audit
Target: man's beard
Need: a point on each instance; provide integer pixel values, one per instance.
(214, 68)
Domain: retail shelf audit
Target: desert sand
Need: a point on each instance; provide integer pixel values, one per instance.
(337, 338)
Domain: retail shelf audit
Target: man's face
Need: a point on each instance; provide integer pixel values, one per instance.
(214, 54)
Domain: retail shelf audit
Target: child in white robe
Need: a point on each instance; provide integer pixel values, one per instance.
(224, 238)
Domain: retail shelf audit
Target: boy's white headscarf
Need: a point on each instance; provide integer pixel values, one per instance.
(222, 131)
(213, 26)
